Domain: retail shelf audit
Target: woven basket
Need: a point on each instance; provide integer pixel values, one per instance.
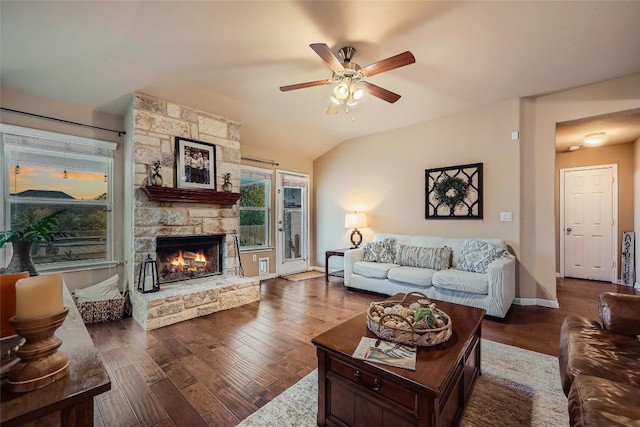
(404, 332)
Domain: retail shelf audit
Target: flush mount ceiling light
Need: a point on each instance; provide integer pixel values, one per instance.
(596, 138)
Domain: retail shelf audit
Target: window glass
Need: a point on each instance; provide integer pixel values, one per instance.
(254, 209)
(42, 181)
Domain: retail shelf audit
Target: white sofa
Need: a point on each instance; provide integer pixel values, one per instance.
(493, 291)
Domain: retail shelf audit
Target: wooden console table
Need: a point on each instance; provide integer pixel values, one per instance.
(329, 254)
(69, 401)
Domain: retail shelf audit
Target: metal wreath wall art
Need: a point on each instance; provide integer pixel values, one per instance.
(454, 192)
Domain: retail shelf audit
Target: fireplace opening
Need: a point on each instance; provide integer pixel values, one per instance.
(188, 257)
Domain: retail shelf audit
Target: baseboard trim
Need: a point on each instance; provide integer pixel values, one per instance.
(265, 276)
(537, 301)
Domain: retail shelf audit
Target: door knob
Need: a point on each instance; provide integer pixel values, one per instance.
(568, 231)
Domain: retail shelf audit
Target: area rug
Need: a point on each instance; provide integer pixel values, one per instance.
(517, 388)
(303, 276)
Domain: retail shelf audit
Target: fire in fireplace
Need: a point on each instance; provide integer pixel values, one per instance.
(188, 257)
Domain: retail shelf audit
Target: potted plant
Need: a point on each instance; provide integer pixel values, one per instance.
(28, 232)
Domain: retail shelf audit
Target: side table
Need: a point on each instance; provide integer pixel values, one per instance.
(329, 254)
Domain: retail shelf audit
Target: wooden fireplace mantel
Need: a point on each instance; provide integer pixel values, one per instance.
(188, 195)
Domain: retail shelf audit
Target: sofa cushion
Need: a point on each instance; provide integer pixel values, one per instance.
(373, 270)
(411, 276)
(461, 281)
(476, 255)
(417, 256)
(598, 402)
(380, 251)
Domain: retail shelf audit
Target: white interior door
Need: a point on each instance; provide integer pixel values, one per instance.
(292, 252)
(589, 228)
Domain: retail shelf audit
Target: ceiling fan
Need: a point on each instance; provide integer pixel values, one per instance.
(350, 77)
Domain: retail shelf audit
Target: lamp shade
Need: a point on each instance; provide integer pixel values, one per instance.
(355, 220)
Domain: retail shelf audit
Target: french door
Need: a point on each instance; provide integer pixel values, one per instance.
(292, 195)
(589, 226)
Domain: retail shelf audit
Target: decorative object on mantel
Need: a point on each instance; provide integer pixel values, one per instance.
(454, 192)
(9, 341)
(195, 164)
(148, 276)
(155, 178)
(187, 195)
(39, 312)
(25, 235)
(226, 185)
(419, 323)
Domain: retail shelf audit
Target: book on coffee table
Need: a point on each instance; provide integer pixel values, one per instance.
(388, 353)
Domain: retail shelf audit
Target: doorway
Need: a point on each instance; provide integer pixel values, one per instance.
(292, 199)
(588, 222)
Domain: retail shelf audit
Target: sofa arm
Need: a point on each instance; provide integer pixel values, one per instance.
(351, 257)
(620, 313)
(502, 282)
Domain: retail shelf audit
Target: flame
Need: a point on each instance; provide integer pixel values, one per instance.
(178, 261)
(200, 257)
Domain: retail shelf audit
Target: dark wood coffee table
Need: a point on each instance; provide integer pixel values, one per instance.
(354, 393)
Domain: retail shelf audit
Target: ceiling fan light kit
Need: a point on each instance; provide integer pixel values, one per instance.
(349, 77)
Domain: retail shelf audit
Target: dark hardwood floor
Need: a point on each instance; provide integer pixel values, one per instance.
(219, 369)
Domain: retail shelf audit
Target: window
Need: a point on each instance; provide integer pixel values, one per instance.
(255, 190)
(45, 172)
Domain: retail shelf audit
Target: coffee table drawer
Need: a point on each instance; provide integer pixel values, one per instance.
(373, 384)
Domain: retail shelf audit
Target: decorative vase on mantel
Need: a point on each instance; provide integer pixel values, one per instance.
(21, 258)
(226, 185)
(155, 178)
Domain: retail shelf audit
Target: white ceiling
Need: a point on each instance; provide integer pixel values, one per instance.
(230, 58)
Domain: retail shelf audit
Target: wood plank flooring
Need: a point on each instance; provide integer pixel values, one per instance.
(219, 369)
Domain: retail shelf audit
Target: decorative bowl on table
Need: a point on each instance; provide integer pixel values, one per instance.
(416, 323)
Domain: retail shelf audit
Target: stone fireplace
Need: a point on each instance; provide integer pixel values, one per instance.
(175, 230)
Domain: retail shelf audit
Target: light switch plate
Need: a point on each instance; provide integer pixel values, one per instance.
(515, 135)
(505, 216)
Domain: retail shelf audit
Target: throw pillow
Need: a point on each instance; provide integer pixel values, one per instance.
(105, 290)
(418, 256)
(476, 255)
(381, 251)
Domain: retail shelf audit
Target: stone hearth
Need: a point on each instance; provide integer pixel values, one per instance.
(198, 297)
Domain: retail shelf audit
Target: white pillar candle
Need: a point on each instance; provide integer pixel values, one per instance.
(39, 296)
(148, 284)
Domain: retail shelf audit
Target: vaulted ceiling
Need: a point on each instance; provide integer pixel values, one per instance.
(230, 58)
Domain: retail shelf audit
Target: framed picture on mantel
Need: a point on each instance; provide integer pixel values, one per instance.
(195, 164)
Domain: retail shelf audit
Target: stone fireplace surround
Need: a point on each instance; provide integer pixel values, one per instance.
(154, 125)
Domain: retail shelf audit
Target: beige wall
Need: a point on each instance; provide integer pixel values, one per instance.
(286, 161)
(539, 118)
(636, 206)
(383, 175)
(621, 155)
(21, 101)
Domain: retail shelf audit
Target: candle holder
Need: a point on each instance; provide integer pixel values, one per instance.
(40, 361)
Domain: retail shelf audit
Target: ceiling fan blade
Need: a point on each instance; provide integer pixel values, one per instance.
(327, 56)
(333, 108)
(304, 85)
(379, 92)
(392, 63)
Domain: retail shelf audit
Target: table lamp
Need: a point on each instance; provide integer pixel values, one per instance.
(355, 220)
